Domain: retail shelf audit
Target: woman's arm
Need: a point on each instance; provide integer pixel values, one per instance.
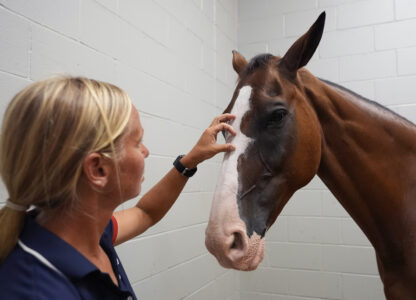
(156, 203)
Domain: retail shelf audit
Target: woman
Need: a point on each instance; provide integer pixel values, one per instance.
(71, 148)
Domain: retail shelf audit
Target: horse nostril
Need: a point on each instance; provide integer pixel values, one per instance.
(238, 243)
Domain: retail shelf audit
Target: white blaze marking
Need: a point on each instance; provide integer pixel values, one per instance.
(225, 218)
(229, 175)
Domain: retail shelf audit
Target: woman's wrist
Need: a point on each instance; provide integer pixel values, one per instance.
(190, 161)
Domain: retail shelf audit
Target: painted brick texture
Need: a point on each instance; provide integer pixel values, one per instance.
(174, 60)
(315, 250)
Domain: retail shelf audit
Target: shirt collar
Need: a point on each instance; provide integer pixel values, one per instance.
(58, 252)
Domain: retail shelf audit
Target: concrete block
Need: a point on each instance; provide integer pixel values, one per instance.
(279, 47)
(15, 43)
(295, 256)
(194, 19)
(261, 30)
(265, 280)
(406, 60)
(351, 234)
(364, 88)
(361, 13)
(96, 65)
(315, 284)
(208, 9)
(362, 287)
(315, 184)
(207, 33)
(229, 5)
(158, 127)
(131, 42)
(178, 8)
(168, 68)
(368, 66)
(53, 53)
(148, 16)
(207, 292)
(226, 22)
(190, 209)
(282, 6)
(314, 230)
(251, 50)
(331, 207)
(296, 24)
(326, 3)
(183, 245)
(223, 95)
(325, 68)
(248, 9)
(61, 15)
(109, 4)
(347, 42)
(393, 91)
(10, 85)
(261, 296)
(304, 203)
(186, 45)
(201, 86)
(278, 232)
(173, 288)
(405, 9)
(395, 35)
(224, 45)
(408, 112)
(359, 260)
(96, 20)
(223, 67)
(208, 60)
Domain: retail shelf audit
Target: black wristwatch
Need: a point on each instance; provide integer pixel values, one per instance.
(182, 169)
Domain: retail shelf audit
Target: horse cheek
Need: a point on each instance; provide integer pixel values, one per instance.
(308, 146)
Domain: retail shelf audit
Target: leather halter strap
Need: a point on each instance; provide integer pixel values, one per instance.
(268, 174)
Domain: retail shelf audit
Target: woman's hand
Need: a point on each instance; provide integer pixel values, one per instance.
(207, 145)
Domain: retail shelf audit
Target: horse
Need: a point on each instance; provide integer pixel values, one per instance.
(292, 126)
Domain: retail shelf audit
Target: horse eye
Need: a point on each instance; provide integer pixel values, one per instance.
(278, 115)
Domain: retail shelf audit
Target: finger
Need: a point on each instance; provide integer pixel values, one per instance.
(224, 126)
(225, 147)
(223, 118)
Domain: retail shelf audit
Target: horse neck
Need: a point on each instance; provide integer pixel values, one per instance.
(367, 162)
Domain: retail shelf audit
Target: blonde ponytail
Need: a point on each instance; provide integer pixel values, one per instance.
(48, 129)
(13, 219)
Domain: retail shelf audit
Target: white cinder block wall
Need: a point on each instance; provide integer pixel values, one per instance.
(174, 60)
(315, 250)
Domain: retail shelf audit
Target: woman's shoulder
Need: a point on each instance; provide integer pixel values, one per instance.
(23, 276)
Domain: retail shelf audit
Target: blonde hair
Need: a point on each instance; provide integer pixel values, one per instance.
(48, 129)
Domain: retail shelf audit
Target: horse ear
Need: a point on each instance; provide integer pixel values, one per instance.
(239, 62)
(302, 50)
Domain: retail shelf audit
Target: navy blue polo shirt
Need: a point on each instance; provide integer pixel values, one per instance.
(43, 266)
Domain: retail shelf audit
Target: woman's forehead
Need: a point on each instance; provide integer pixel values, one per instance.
(134, 123)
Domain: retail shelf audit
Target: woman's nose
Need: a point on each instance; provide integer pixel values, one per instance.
(145, 151)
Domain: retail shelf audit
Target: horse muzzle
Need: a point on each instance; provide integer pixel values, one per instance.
(234, 249)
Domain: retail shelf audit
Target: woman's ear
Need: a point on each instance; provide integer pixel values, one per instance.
(97, 170)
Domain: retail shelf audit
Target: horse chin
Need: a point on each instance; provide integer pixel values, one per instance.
(254, 256)
(246, 260)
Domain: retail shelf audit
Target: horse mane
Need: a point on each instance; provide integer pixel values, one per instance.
(371, 102)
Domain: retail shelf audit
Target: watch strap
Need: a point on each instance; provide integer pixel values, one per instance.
(182, 169)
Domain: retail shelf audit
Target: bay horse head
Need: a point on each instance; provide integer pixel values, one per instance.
(278, 151)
